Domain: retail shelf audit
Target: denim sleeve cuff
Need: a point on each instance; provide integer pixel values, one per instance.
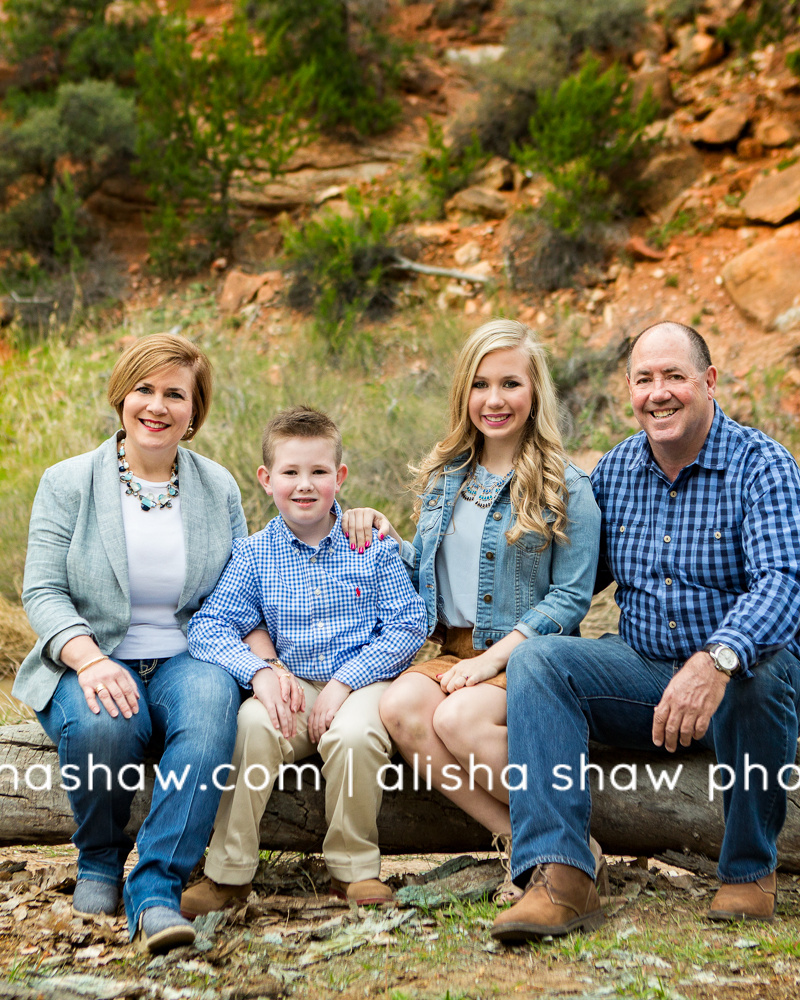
(408, 554)
(60, 639)
(536, 623)
(746, 651)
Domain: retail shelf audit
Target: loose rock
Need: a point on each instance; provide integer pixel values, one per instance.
(775, 197)
(762, 281)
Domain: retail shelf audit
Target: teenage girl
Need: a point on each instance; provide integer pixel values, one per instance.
(505, 550)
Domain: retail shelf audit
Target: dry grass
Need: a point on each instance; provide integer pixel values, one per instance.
(16, 637)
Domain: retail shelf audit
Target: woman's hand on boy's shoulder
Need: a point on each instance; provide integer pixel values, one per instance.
(357, 525)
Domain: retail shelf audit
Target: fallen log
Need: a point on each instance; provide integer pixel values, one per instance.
(635, 811)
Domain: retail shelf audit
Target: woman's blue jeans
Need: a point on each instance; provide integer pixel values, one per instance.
(564, 691)
(190, 705)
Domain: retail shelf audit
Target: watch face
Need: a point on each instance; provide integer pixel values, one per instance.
(727, 659)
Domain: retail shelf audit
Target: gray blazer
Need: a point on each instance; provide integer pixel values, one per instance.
(76, 570)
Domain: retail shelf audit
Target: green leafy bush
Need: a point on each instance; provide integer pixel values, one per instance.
(793, 61)
(545, 42)
(340, 267)
(205, 118)
(76, 39)
(352, 65)
(54, 158)
(583, 137)
(447, 169)
(769, 22)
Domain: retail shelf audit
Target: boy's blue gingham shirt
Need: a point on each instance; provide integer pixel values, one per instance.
(712, 557)
(331, 613)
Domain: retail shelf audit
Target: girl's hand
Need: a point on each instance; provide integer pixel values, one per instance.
(357, 525)
(291, 691)
(268, 688)
(110, 685)
(467, 673)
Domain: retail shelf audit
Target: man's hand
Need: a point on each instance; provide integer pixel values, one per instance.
(329, 701)
(689, 701)
(277, 695)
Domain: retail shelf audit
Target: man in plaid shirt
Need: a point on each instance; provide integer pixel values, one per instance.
(701, 532)
(340, 626)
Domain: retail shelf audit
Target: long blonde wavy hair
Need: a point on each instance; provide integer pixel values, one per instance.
(540, 462)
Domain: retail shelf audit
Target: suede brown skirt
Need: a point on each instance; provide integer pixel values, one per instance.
(457, 646)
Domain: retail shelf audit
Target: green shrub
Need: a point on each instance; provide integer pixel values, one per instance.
(747, 30)
(71, 39)
(340, 267)
(583, 138)
(447, 169)
(86, 135)
(545, 42)
(793, 61)
(353, 67)
(205, 118)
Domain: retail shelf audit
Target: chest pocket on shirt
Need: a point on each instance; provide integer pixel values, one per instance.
(430, 516)
(349, 598)
(626, 539)
(714, 552)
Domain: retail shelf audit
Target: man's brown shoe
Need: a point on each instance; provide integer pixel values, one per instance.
(746, 900)
(368, 890)
(558, 899)
(206, 896)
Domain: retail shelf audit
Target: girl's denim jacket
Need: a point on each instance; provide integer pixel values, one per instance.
(521, 586)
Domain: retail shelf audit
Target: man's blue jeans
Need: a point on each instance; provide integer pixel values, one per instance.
(192, 706)
(564, 691)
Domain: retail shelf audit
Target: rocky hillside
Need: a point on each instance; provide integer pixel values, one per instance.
(718, 248)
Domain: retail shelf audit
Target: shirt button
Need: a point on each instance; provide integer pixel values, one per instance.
(622, 528)
(673, 624)
(717, 534)
(490, 556)
(667, 538)
(313, 559)
(668, 581)
(673, 493)
(487, 598)
(497, 516)
(317, 592)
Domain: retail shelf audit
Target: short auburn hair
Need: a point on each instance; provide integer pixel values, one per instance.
(301, 422)
(151, 354)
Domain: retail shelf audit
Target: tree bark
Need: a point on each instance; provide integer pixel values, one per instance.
(632, 818)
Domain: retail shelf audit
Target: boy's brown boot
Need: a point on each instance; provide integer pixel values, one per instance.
(368, 890)
(207, 895)
(746, 900)
(558, 899)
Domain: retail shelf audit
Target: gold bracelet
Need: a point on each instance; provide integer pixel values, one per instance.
(91, 663)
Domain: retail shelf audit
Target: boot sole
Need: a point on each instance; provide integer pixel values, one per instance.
(524, 931)
(730, 917)
(170, 937)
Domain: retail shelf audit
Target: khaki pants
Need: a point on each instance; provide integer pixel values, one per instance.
(353, 750)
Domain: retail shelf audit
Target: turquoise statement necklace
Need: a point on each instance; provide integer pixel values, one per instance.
(146, 500)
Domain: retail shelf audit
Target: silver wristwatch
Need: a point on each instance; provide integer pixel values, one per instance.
(725, 660)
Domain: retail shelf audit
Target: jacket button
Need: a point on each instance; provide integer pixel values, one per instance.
(432, 502)
(487, 598)
(489, 642)
(497, 516)
(490, 556)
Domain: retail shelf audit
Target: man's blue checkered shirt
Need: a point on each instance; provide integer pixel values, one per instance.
(330, 612)
(712, 557)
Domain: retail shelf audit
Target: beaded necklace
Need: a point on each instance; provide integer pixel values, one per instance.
(146, 500)
(483, 493)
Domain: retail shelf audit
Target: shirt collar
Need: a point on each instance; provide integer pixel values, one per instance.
(711, 455)
(327, 543)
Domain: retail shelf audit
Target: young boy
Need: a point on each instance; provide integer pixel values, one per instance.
(344, 625)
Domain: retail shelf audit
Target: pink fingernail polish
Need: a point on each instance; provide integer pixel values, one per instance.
(381, 537)
(346, 535)
(353, 546)
(368, 545)
(361, 550)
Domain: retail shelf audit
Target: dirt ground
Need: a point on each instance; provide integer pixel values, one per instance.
(291, 939)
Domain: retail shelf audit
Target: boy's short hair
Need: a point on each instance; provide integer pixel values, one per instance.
(302, 422)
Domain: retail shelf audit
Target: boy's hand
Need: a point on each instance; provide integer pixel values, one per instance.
(330, 700)
(269, 688)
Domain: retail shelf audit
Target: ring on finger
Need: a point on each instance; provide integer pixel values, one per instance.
(99, 688)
